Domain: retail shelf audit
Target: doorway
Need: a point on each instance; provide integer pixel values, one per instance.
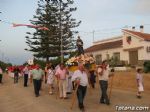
(133, 57)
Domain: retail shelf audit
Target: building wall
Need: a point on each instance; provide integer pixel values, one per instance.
(137, 43)
(103, 53)
(125, 56)
(144, 53)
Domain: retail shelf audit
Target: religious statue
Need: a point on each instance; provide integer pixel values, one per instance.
(79, 44)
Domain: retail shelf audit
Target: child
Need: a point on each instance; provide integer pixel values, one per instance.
(50, 79)
(139, 78)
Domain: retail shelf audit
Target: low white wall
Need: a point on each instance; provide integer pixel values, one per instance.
(122, 68)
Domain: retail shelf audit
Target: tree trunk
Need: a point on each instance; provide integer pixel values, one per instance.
(47, 59)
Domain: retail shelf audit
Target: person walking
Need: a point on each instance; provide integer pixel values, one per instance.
(46, 72)
(69, 82)
(37, 77)
(139, 78)
(81, 79)
(61, 73)
(16, 74)
(26, 74)
(103, 75)
(50, 79)
(92, 78)
(1, 75)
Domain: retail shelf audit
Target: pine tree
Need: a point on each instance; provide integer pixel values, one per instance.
(55, 15)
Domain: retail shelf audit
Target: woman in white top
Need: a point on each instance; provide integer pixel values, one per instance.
(26, 74)
(50, 79)
(69, 82)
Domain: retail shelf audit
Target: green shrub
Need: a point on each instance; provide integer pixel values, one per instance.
(147, 66)
(4, 65)
(115, 62)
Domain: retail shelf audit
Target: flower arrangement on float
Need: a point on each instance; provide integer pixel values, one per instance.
(87, 60)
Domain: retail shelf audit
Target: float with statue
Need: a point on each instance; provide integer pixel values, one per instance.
(87, 60)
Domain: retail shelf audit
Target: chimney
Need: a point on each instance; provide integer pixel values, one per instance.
(142, 29)
(133, 28)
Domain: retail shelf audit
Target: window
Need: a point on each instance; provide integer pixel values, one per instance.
(98, 59)
(107, 56)
(129, 39)
(148, 49)
(117, 56)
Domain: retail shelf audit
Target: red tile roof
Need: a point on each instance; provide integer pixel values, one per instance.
(118, 43)
(145, 36)
(103, 46)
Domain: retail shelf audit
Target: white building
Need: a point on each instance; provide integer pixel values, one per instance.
(133, 47)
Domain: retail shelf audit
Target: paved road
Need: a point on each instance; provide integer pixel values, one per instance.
(16, 98)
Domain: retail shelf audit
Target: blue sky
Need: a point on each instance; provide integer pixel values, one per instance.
(106, 17)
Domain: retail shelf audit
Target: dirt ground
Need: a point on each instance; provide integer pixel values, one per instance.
(16, 98)
(127, 81)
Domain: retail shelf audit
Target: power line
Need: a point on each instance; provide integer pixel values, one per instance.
(110, 29)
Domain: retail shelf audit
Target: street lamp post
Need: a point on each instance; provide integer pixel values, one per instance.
(61, 39)
(61, 33)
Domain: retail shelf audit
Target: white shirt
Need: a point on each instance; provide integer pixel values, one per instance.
(82, 76)
(105, 74)
(26, 70)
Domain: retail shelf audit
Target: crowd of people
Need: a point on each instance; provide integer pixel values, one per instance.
(61, 81)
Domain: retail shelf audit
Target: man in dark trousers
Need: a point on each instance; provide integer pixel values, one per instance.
(26, 73)
(37, 77)
(16, 74)
(103, 74)
(81, 79)
(79, 44)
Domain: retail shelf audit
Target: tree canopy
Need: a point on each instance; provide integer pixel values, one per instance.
(56, 15)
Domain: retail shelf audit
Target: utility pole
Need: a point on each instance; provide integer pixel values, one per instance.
(3, 57)
(93, 36)
(61, 39)
(0, 12)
